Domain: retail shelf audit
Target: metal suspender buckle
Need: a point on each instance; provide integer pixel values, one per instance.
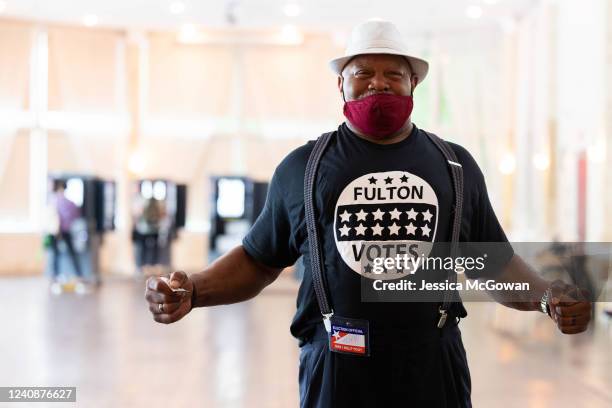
(443, 316)
(327, 320)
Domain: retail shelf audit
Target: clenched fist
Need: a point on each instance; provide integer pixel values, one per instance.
(166, 305)
(569, 307)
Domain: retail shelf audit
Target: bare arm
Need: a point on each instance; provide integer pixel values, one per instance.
(233, 278)
(568, 307)
(518, 270)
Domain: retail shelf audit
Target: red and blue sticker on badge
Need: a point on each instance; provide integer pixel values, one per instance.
(349, 336)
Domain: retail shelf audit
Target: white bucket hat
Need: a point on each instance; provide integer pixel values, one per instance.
(378, 37)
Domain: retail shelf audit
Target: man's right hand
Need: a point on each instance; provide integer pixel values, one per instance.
(165, 305)
(569, 307)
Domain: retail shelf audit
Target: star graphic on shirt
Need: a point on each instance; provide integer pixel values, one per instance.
(360, 229)
(404, 179)
(367, 268)
(344, 231)
(346, 216)
(412, 214)
(427, 215)
(372, 180)
(411, 229)
(378, 214)
(395, 214)
(377, 229)
(361, 215)
(337, 335)
(426, 230)
(394, 229)
(388, 180)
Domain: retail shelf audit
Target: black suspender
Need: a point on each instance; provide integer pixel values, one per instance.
(316, 255)
(456, 171)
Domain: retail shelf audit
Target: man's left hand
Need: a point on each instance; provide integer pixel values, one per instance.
(569, 308)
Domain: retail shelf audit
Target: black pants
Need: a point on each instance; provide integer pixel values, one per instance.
(149, 254)
(404, 370)
(67, 238)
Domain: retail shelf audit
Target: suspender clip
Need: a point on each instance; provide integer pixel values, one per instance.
(327, 321)
(443, 316)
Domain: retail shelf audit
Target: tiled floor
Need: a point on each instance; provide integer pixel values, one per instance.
(242, 355)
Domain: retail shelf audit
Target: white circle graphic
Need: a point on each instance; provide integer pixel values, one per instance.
(385, 215)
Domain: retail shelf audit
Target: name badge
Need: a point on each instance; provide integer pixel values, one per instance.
(349, 336)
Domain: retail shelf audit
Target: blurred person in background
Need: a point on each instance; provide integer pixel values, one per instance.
(417, 356)
(150, 230)
(61, 216)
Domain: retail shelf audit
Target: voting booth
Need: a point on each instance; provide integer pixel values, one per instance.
(159, 212)
(235, 204)
(95, 200)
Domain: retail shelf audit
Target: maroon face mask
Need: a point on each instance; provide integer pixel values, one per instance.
(379, 115)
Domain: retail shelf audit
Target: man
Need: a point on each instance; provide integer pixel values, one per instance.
(415, 358)
(148, 227)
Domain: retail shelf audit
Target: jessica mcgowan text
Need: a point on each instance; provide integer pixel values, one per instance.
(446, 285)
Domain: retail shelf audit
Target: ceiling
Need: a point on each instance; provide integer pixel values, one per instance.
(420, 16)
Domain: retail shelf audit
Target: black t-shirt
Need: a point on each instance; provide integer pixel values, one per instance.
(406, 190)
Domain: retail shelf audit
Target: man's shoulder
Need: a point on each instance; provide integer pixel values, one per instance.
(463, 154)
(297, 159)
(469, 164)
(464, 157)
